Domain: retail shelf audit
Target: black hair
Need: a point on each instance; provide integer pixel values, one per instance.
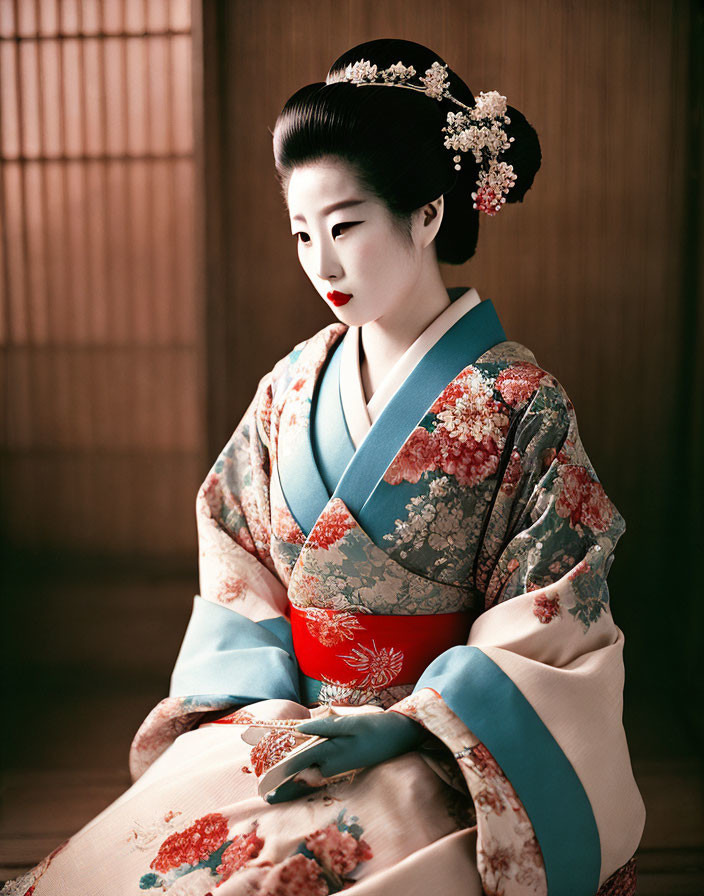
(392, 139)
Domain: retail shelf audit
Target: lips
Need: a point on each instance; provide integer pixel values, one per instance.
(339, 298)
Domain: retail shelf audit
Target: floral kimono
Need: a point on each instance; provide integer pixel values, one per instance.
(440, 551)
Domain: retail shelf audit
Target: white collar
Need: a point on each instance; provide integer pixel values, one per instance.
(358, 413)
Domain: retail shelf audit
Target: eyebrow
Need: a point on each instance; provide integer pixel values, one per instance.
(346, 203)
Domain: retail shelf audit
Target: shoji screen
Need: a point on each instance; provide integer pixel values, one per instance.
(100, 329)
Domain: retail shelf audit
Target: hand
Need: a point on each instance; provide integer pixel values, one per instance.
(354, 741)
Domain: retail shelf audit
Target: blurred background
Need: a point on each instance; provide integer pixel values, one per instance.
(149, 280)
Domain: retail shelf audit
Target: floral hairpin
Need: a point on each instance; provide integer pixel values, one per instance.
(479, 129)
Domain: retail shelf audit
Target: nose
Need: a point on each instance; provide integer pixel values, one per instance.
(329, 267)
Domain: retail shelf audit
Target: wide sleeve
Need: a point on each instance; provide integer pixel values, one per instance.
(531, 706)
(237, 648)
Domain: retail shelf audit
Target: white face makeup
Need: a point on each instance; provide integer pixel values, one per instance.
(355, 249)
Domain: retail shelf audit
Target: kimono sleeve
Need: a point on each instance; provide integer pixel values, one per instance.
(238, 647)
(531, 706)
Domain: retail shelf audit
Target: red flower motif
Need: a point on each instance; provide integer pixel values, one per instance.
(331, 526)
(484, 762)
(583, 499)
(546, 607)
(204, 837)
(490, 801)
(337, 850)
(513, 473)
(469, 462)
(270, 749)
(455, 391)
(241, 717)
(243, 849)
(415, 457)
(580, 569)
(518, 382)
(499, 860)
(296, 876)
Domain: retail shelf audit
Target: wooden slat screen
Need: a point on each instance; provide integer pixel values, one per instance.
(100, 333)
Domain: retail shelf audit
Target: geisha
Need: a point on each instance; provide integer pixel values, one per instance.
(404, 551)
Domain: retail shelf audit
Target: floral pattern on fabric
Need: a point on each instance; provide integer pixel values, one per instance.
(204, 855)
(205, 846)
(508, 856)
(341, 568)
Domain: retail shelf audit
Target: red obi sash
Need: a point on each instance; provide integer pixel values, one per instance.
(365, 650)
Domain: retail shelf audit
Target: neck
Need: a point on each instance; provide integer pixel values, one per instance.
(385, 339)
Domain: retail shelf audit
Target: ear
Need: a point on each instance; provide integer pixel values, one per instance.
(431, 219)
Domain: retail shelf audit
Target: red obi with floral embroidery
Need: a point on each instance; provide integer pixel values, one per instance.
(365, 650)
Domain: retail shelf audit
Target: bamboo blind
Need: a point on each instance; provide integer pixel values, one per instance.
(99, 332)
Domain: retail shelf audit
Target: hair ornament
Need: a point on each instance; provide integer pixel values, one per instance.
(479, 128)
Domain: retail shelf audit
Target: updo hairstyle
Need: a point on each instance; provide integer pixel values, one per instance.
(392, 138)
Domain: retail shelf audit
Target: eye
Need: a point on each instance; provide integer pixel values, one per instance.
(302, 233)
(344, 224)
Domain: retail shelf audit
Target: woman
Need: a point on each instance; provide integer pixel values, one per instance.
(405, 526)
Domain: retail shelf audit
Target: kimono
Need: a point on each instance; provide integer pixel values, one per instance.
(440, 551)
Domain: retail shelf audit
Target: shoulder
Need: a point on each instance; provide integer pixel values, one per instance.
(302, 360)
(520, 383)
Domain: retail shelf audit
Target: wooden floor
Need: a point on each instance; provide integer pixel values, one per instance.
(65, 759)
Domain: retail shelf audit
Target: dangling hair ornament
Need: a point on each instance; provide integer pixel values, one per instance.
(480, 128)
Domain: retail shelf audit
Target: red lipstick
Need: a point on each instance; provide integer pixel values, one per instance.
(339, 298)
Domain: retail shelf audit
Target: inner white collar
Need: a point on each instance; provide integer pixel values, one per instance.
(359, 413)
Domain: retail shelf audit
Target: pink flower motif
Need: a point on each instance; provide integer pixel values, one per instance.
(199, 841)
(338, 851)
(243, 849)
(331, 526)
(296, 876)
(330, 627)
(381, 664)
(415, 457)
(230, 589)
(582, 499)
(211, 492)
(285, 527)
(244, 539)
(518, 382)
(546, 607)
